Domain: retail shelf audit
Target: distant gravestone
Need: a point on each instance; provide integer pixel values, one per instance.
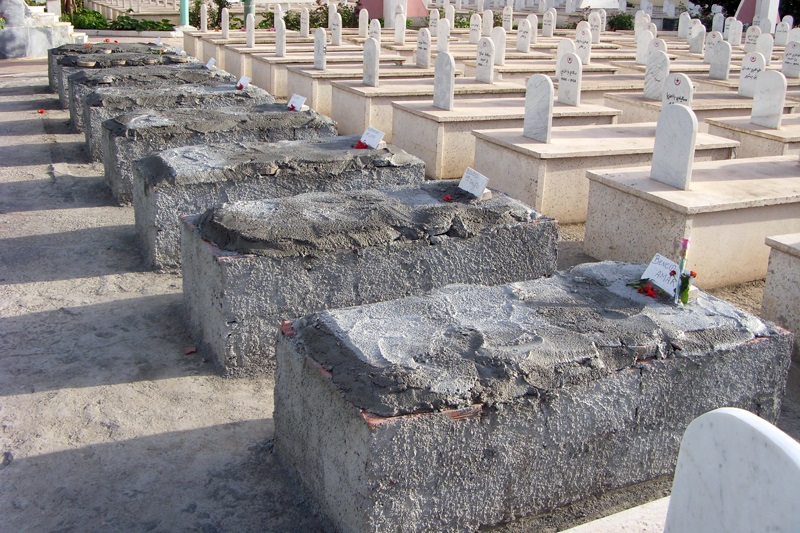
(595, 26)
(735, 472)
(363, 23)
(374, 30)
(320, 50)
(371, 63)
(718, 23)
(484, 63)
(331, 13)
(548, 23)
(583, 44)
(203, 18)
(488, 22)
(443, 36)
(789, 21)
(423, 48)
(781, 34)
(280, 37)
(533, 20)
(669, 9)
(444, 81)
(565, 46)
(658, 44)
(499, 40)
(603, 19)
(400, 29)
(791, 60)
(474, 28)
(752, 66)
(643, 46)
(622, 6)
(250, 30)
(677, 90)
(697, 39)
(711, 41)
(538, 119)
(433, 21)
(305, 23)
(768, 100)
(684, 24)
(735, 33)
(765, 25)
(720, 61)
(726, 28)
(570, 74)
(750, 39)
(450, 15)
(524, 36)
(336, 29)
(641, 20)
(655, 75)
(479, 7)
(508, 18)
(569, 7)
(794, 34)
(652, 28)
(764, 45)
(225, 23)
(673, 153)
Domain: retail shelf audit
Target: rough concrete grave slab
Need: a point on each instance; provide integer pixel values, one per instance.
(94, 48)
(67, 65)
(283, 258)
(190, 179)
(782, 289)
(132, 136)
(475, 405)
(108, 102)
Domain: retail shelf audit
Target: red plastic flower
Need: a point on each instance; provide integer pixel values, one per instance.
(361, 145)
(448, 198)
(239, 87)
(88, 45)
(108, 40)
(648, 291)
(693, 274)
(292, 108)
(41, 111)
(116, 42)
(672, 273)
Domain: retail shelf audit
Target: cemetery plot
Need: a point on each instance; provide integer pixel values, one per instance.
(782, 289)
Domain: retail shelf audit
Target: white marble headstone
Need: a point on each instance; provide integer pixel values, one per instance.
(794, 35)
(474, 28)
(735, 472)
(791, 60)
(570, 75)
(225, 23)
(726, 27)
(658, 44)
(673, 154)
(595, 26)
(752, 66)
(788, 19)
(640, 22)
(331, 13)
(548, 24)
(684, 24)
(569, 7)
(450, 15)
(712, 39)
(499, 39)
(336, 29)
(524, 36)
(371, 63)
(768, 100)
(764, 45)
(479, 7)
(750, 38)
(400, 29)
(203, 17)
(278, 12)
(653, 29)
(766, 25)
(320, 50)
(375, 30)
(622, 5)
(583, 44)
(678, 89)
(363, 23)
(697, 39)
(488, 23)
(720, 61)
(603, 19)
(433, 21)
(534, 22)
(538, 119)
(280, 37)
(735, 33)
(669, 9)
(250, 30)
(423, 48)
(643, 46)
(655, 75)
(484, 63)
(718, 23)
(444, 81)
(781, 34)
(508, 18)
(443, 36)
(565, 46)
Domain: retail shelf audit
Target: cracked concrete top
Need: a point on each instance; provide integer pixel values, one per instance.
(99, 48)
(465, 345)
(152, 75)
(154, 56)
(307, 161)
(312, 223)
(215, 92)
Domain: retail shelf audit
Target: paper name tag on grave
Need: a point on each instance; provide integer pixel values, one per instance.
(158, 41)
(210, 63)
(180, 51)
(372, 137)
(475, 183)
(658, 271)
(243, 82)
(296, 102)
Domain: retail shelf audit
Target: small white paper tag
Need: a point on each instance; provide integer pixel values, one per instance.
(158, 41)
(372, 137)
(473, 182)
(210, 63)
(296, 102)
(243, 82)
(180, 51)
(658, 271)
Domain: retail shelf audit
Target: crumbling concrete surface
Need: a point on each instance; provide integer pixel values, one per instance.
(132, 136)
(279, 259)
(91, 48)
(477, 405)
(104, 103)
(190, 179)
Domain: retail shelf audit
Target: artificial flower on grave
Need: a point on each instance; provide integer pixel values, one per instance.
(361, 145)
(685, 284)
(2, 21)
(646, 287)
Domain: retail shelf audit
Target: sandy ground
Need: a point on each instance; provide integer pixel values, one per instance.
(105, 423)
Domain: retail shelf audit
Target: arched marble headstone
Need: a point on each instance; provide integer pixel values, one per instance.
(320, 49)
(791, 60)
(781, 34)
(570, 75)
(564, 46)
(711, 41)
(678, 89)
(655, 75)
(534, 22)
(697, 39)
(753, 65)
(443, 36)
(280, 37)
(720, 61)
(583, 44)
(524, 36)
(363, 23)
(484, 61)
(595, 26)
(499, 39)
(764, 45)
(768, 99)
(643, 46)
(750, 38)
(539, 98)
(735, 33)
(673, 153)
(225, 23)
(444, 81)
(372, 50)
(475, 32)
(423, 48)
(250, 30)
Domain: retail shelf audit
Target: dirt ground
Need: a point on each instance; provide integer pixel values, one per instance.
(105, 424)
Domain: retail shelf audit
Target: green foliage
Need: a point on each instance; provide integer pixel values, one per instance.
(124, 22)
(86, 19)
(620, 21)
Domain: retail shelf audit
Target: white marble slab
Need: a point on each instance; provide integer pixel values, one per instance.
(475, 24)
(583, 43)
(499, 39)
(643, 46)
(524, 36)
(280, 38)
(712, 39)
(443, 36)
(720, 63)
(697, 38)
(484, 63)
(538, 119)
(565, 46)
(735, 33)
(752, 65)
(782, 34)
(791, 60)
(750, 38)
(764, 46)
(444, 81)
(655, 76)
(570, 74)
(595, 26)
(673, 153)
(768, 100)
(684, 24)
(372, 50)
